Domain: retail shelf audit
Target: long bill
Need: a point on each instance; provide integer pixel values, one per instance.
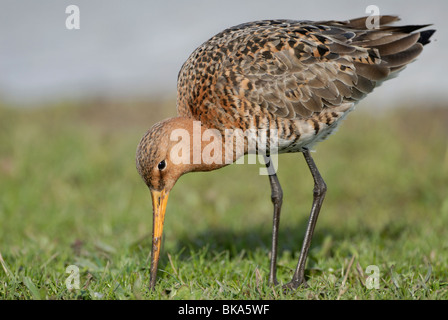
(159, 201)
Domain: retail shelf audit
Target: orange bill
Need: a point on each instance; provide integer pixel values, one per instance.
(159, 201)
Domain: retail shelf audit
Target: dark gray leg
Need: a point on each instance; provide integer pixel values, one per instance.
(277, 199)
(320, 188)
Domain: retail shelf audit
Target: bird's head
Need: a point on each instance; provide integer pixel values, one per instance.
(160, 172)
(163, 155)
(169, 149)
(153, 158)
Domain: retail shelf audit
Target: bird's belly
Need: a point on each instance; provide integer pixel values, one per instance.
(310, 133)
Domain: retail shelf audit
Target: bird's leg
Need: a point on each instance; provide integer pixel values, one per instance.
(320, 188)
(277, 199)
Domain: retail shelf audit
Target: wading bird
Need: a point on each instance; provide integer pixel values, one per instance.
(299, 78)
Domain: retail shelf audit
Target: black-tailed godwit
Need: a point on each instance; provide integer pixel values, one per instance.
(298, 79)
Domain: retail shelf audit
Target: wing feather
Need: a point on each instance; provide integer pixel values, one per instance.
(294, 69)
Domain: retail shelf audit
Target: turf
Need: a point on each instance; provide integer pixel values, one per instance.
(70, 196)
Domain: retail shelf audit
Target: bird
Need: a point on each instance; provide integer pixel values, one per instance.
(297, 78)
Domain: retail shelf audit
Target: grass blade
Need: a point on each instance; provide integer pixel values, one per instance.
(32, 288)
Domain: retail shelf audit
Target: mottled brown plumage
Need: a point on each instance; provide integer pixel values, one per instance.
(298, 77)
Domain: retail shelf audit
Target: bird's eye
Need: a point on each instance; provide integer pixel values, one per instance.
(161, 165)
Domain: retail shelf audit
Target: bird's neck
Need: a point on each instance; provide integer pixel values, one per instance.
(209, 148)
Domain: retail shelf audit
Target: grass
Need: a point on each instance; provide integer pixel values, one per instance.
(70, 195)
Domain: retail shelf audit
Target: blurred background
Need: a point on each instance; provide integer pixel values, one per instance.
(136, 48)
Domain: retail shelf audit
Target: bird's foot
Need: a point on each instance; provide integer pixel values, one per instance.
(294, 285)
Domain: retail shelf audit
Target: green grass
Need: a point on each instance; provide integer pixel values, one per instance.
(70, 195)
